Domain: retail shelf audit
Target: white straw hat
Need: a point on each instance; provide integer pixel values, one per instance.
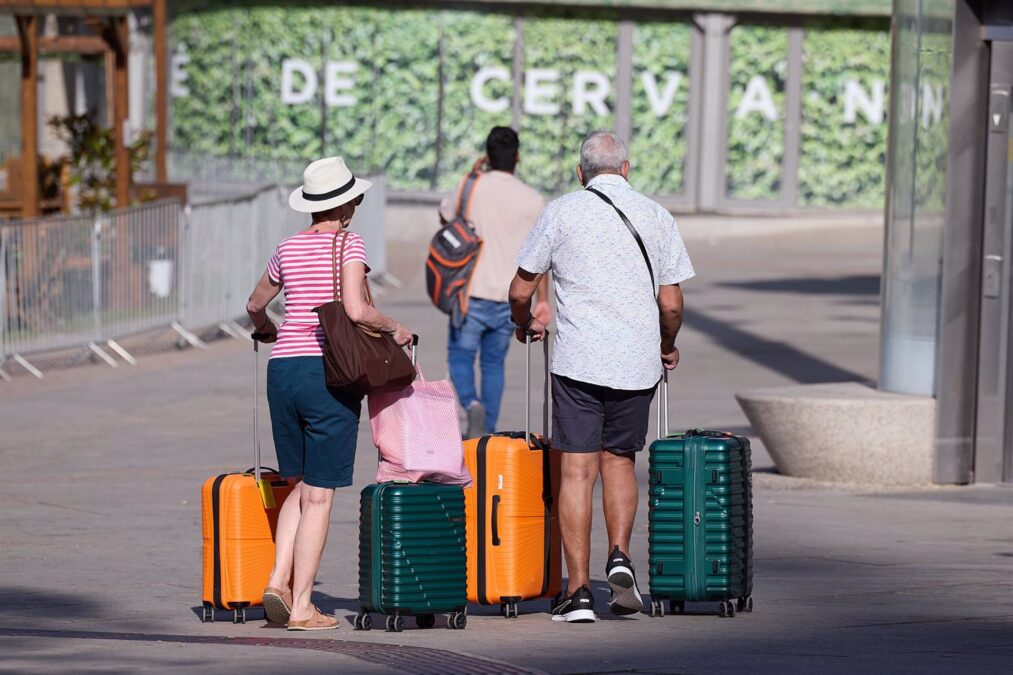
(326, 183)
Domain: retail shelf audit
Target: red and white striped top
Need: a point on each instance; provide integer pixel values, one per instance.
(302, 265)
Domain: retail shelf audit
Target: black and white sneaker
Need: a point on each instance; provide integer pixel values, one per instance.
(622, 580)
(578, 608)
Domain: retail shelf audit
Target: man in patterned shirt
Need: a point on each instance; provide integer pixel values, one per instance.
(619, 311)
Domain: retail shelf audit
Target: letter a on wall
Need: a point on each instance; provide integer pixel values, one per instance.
(757, 98)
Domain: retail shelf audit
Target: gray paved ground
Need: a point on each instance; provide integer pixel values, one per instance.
(100, 535)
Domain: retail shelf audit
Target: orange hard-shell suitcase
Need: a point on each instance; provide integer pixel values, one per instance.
(514, 551)
(239, 514)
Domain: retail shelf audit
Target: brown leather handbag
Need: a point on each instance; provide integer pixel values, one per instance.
(358, 360)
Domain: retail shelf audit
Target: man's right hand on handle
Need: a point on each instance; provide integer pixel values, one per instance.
(670, 360)
(537, 331)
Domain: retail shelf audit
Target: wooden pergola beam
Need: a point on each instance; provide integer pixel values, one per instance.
(160, 20)
(58, 44)
(65, 7)
(28, 36)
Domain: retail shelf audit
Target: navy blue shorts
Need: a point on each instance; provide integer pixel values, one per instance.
(315, 427)
(589, 418)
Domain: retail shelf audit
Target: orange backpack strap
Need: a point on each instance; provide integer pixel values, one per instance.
(467, 190)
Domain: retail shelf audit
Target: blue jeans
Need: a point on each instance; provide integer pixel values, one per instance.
(487, 327)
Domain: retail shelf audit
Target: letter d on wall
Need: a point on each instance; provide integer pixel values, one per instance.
(309, 89)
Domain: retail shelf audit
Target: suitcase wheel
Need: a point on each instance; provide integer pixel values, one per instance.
(395, 624)
(726, 609)
(458, 621)
(208, 613)
(657, 608)
(509, 610)
(425, 620)
(239, 615)
(362, 621)
(744, 604)
(677, 607)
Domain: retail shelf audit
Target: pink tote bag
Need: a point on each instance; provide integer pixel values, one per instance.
(417, 433)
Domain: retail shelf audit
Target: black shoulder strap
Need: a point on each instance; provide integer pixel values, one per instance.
(466, 190)
(633, 231)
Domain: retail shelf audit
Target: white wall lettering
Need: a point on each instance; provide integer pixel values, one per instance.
(289, 96)
(334, 83)
(540, 84)
(478, 97)
(855, 98)
(590, 88)
(933, 99)
(661, 102)
(757, 98)
(177, 73)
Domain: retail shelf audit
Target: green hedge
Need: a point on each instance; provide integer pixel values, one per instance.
(551, 143)
(756, 144)
(840, 163)
(399, 124)
(658, 145)
(472, 41)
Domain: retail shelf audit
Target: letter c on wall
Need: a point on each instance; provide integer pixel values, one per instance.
(478, 83)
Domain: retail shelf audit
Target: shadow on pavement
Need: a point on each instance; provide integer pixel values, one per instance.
(775, 355)
(856, 284)
(27, 603)
(400, 657)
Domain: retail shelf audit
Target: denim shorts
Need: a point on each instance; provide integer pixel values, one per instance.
(588, 417)
(314, 427)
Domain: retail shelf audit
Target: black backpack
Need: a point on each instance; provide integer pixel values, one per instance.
(453, 252)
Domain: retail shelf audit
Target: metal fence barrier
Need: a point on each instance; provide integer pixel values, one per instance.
(87, 281)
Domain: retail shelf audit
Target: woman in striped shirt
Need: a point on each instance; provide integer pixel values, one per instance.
(314, 426)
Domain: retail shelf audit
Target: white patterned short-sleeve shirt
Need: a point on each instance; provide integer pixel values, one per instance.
(608, 332)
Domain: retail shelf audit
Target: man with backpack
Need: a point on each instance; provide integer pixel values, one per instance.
(500, 209)
(617, 260)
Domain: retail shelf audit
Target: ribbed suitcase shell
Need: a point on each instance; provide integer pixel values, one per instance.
(701, 517)
(238, 538)
(412, 548)
(514, 550)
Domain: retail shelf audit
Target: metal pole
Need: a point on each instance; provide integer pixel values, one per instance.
(624, 81)
(96, 277)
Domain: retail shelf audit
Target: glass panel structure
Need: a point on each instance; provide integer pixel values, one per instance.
(922, 61)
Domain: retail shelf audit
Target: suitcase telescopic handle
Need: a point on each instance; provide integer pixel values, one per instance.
(256, 409)
(663, 405)
(527, 388)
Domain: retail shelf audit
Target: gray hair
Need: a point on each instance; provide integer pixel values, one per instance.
(601, 152)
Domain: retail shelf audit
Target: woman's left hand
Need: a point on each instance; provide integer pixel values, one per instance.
(402, 336)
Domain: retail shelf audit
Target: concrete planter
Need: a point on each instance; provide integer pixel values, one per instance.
(845, 432)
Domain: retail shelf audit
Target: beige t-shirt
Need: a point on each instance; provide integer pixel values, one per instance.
(503, 210)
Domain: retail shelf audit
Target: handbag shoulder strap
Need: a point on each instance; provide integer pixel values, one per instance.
(337, 262)
(464, 203)
(633, 231)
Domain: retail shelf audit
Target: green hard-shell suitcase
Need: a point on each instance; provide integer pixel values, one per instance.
(700, 521)
(412, 557)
